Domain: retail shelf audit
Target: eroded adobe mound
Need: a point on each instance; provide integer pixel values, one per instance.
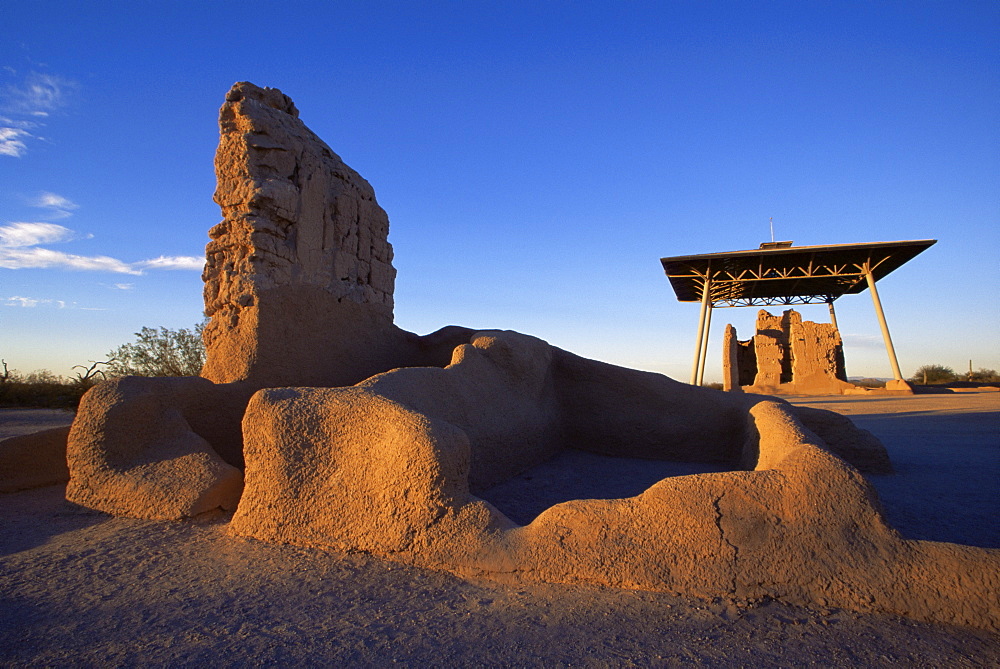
(140, 447)
(33, 460)
(385, 466)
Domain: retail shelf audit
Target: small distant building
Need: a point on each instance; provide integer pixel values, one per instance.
(787, 354)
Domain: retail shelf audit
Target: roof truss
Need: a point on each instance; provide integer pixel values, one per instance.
(791, 275)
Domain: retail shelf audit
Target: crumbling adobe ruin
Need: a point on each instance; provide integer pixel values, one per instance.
(321, 423)
(786, 356)
(298, 275)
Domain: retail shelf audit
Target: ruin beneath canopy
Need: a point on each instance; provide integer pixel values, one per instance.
(779, 273)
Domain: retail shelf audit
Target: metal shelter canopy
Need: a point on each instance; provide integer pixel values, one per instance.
(786, 274)
(779, 273)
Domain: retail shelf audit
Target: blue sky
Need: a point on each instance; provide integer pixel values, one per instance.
(535, 159)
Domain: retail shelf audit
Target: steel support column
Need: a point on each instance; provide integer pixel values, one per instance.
(701, 330)
(704, 346)
(881, 321)
(833, 315)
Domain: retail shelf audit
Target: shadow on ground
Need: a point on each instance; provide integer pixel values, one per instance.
(19, 518)
(946, 486)
(947, 481)
(576, 474)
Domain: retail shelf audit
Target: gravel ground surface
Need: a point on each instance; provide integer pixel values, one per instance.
(78, 588)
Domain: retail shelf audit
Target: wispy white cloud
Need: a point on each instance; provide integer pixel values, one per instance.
(13, 123)
(18, 301)
(13, 135)
(39, 258)
(57, 205)
(19, 249)
(36, 96)
(173, 262)
(12, 141)
(53, 201)
(123, 286)
(21, 234)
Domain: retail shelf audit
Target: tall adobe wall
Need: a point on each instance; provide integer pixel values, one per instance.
(299, 276)
(771, 348)
(817, 354)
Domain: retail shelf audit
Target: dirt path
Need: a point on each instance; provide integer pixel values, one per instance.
(15, 422)
(79, 588)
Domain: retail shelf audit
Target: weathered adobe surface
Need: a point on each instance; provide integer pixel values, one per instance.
(390, 465)
(33, 460)
(298, 285)
(157, 448)
(786, 356)
(298, 275)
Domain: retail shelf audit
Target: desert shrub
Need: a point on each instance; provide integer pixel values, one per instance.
(44, 377)
(933, 374)
(155, 352)
(40, 388)
(44, 389)
(983, 375)
(160, 352)
(8, 375)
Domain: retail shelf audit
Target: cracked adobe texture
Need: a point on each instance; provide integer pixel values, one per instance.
(391, 466)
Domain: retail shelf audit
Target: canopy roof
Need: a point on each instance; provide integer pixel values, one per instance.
(779, 273)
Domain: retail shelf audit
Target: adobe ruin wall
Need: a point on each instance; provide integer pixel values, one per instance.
(786, 356)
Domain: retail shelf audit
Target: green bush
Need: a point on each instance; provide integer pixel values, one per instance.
(51, 394)
(155, 352)
(934, 374)
(160, 352)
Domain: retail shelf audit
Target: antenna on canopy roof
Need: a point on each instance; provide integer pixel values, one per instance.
(773, 244)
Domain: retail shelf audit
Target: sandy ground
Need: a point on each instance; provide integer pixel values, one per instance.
(80, 588)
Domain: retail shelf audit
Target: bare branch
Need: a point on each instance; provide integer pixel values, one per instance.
(90, 373)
